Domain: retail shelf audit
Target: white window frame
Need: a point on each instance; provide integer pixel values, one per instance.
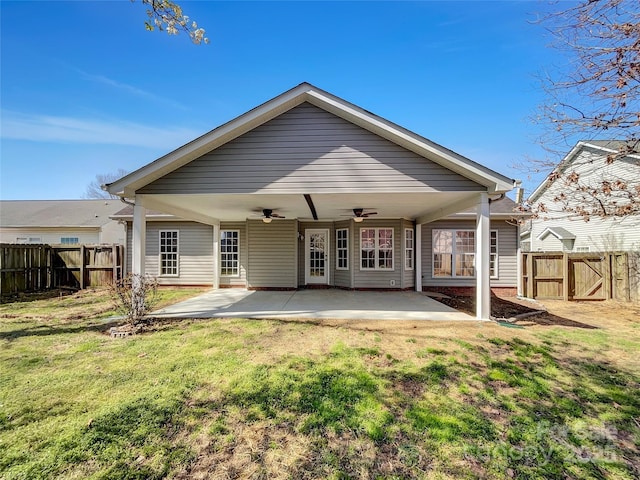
(223, 253)
(584, 249)
(342, 249)
(493, 256)
(69, 240)
(409, 236)
(28, 240)
(377, 249)
(162, 253)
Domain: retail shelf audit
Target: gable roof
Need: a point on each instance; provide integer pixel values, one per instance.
(305, 92)
(57, 213)
(558, 232)
(605, 146)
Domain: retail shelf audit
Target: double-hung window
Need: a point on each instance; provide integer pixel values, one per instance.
(409, 249)
(69, 240)
(376, 248)
(169, 253)
(230, 253)
(454, 253)
(493, 258)
(342, 249)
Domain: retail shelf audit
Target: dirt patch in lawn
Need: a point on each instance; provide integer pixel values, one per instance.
(547, 313)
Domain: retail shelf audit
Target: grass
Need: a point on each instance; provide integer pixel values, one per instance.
(268, 399)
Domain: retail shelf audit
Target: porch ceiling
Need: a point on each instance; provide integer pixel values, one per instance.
(208, 208)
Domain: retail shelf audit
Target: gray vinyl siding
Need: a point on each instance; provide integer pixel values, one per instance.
(273, 254)
(378, 278)
(242, 279)
(343, 278)
(302, 226)
(507, 254)
(408, 276)
(195, 252)
(308, 150)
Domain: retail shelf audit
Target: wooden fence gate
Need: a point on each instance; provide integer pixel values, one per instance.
(575, 276)
(32, 268)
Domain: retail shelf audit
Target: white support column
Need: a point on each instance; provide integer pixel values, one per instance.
(216, 256)
(483, 287)
(418, 257)
(139, 239)
(519, 263)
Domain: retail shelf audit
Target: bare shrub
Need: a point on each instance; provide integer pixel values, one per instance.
(135, 295)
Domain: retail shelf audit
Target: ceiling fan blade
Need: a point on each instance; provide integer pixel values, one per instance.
(275, 215)
(369, 213)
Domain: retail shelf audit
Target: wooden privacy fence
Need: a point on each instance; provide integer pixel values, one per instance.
(32, 268)
(575, 276)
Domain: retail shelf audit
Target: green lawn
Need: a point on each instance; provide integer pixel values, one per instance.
(268, 399)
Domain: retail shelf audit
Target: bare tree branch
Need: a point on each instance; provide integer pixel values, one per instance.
(94, 189)
(595, 95)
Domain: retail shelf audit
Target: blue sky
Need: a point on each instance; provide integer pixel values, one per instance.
(86, 90)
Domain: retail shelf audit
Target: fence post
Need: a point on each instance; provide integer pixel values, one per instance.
(531, 275)
(565, 276)
(82, 267)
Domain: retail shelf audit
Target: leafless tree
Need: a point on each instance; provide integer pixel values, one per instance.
(94, 189)
(595, 94)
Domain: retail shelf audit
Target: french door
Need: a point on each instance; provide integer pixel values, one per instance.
(316, 256)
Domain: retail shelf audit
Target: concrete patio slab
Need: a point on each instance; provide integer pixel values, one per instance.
(312, 304)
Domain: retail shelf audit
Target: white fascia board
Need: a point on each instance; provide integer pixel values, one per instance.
(559, 235)
(150, 218)
(52, 226)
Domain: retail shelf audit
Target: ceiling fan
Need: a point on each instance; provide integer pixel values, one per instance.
(359, 214)
(268, 214)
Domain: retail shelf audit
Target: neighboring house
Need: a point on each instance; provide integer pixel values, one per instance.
(60, 221)
(556, 230)
(284, 197)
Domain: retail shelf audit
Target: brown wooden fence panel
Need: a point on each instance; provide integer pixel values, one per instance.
(31, 268)
(575, 276)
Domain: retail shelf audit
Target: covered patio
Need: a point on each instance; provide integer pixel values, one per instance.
(322, 304)
(351, 195)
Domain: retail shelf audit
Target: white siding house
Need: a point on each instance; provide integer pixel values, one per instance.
(308, 190)
(60, 221)
(557, 230)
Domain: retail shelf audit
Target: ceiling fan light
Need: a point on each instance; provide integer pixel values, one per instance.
(267, 219)
(358, 219)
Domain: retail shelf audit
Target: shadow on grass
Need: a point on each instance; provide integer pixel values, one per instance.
(502, 308)
(35, 296)
(502, 409)
(46, 330)
(518, 410)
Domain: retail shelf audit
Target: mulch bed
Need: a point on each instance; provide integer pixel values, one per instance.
(507, 309)
(500, 308)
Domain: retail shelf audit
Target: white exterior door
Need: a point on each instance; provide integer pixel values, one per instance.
(316, 256)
